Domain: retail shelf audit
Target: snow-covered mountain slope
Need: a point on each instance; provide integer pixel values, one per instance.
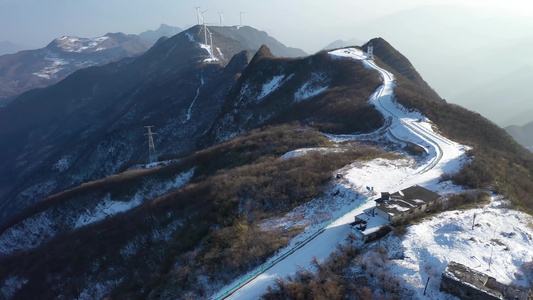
(500, 244)
(272, 91)
(444, 156)
(141, 234)
(120, 99)
(81, 45)
(39, 68)
(81, 210)
(178, 86)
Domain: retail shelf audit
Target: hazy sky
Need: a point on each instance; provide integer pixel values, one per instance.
(305, 24)
(461, 47)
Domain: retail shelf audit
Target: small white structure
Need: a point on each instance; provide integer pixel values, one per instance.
(370, 52)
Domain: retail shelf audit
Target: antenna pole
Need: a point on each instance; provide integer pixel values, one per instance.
(151, 146)
(241, 17)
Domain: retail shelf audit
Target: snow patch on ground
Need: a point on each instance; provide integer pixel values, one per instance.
(212, 57)
(11, 286)
(81, 45)
(157, 235)
(305, 151)
(311, 88)
(500, 236)
(257, 94)
(28, 234)
(63, 164)
(33, 231)
(41, 188)
(99, 290)
(108, 207)
(56, 65)
(318, 212)
(189, 110)
(271, 86)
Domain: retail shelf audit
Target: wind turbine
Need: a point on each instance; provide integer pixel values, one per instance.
(212, 48)
(205, 26)
(221, 18)
(206, 31)
(198, 14)
(242, 12)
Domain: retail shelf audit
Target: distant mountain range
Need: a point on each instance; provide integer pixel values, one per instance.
(253, 39)
(39, 68)
(7, 47)
(163, 30)
(469, 57)
(522, 134)
(342, 43)
(43, 67)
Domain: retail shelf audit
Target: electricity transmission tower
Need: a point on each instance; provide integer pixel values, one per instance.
(151, 146)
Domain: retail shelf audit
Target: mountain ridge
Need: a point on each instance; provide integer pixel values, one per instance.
(43, 67)
(164, 30)
(223, 126)
(78, 113)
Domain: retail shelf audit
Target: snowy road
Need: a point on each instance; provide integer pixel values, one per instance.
(443, 156)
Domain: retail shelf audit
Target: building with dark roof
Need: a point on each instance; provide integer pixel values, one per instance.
(405, 203)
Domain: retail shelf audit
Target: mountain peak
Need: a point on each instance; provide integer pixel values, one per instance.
(78, 45)
(163, 30)
(262, 53)
(397, 61)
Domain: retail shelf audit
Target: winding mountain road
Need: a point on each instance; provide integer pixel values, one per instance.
(443, 156)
